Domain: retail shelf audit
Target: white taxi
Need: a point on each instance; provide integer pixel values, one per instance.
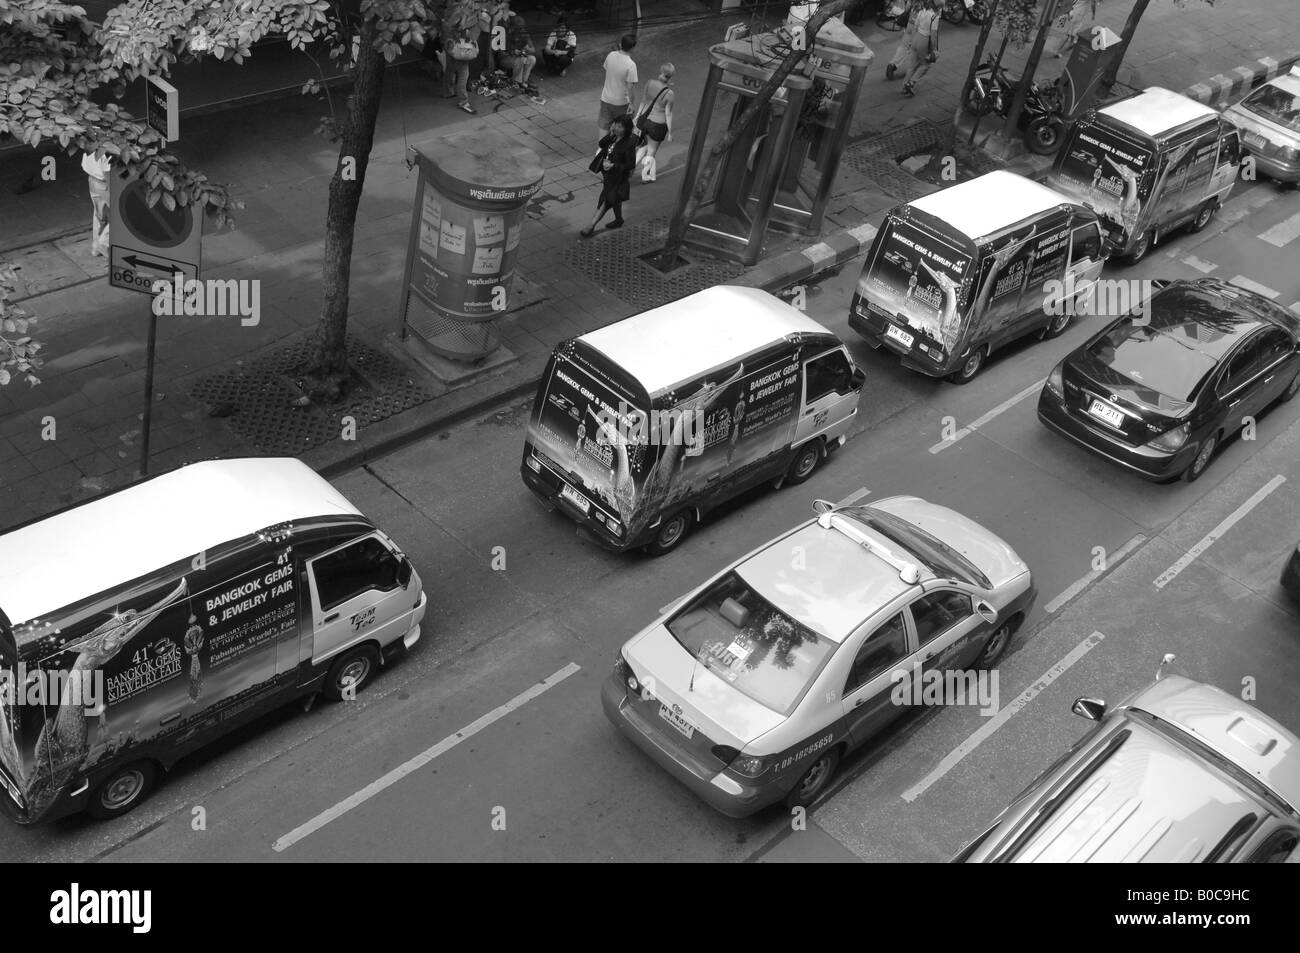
(1269, 122)
(752, 688)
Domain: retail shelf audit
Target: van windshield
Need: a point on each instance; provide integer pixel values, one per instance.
(919, 275)
(1108, 172)
(746, 641)
(570, 431)
(1276, 105)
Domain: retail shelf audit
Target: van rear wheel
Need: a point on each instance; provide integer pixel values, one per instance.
(671, 532)
(351, 672)
(122, 791)
(804, 463)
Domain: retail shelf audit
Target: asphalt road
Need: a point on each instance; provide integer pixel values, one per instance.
(488, 740)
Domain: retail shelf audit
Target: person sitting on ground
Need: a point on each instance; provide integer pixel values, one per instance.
(521, 55)
(561, 48)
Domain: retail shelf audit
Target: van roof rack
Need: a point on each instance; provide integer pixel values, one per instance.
(908, 571)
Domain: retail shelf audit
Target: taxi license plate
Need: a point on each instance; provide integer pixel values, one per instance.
(1103, 411)
(1254, 140)
(902, 337)
(676, 720)
(576, 498)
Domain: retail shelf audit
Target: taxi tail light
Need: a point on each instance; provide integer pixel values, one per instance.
(1171, 440)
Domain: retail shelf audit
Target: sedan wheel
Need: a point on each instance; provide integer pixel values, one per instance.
(1202, 459)
(814, 780)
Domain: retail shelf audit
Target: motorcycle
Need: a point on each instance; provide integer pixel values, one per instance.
(955, 11)
(1042, 120)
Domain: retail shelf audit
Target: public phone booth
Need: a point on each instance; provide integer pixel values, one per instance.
(780, 170)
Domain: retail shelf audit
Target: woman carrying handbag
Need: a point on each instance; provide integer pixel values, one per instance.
(614, 162)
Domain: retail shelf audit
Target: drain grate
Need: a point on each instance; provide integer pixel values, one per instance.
(614, 262)
(259, 399)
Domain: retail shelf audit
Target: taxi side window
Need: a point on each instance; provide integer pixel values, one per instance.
(827, 374)
(882, 650)
(937, 612)
(350, 571)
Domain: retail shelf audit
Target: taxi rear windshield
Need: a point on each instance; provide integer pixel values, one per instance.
(746, 641)
(1276, 105)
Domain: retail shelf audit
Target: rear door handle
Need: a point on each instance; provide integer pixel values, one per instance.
(329, 618)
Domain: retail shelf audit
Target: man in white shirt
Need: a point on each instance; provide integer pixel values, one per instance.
(620, 83)
(97, 167)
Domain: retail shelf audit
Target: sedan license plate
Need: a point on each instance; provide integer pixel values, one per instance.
(576, 498)
(902, 337)
(1254, 140)
(1103, 411)
(676, 720)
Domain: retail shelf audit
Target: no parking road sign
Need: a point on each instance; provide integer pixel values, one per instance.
(149, 244)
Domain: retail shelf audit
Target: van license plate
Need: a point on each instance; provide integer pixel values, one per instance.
(576, 498)
(676, 720)
(902, 337)
(1103, 411)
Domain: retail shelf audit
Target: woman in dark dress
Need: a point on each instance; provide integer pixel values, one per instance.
(614, 162)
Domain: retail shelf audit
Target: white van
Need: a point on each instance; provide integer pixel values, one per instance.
(139, 626)
(641, 427)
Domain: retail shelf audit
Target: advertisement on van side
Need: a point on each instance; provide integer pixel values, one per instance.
(1108, 172)
(921, 277)
(170, 664)
(633, 464)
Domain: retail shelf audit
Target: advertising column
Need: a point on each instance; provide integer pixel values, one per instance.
(469, 211)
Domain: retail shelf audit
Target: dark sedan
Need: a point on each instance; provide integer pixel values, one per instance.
(1158, 390)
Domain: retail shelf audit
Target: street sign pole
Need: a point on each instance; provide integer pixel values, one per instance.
(148, 391)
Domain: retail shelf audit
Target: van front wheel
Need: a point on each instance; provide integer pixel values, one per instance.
(351, 672)
(671, 532)
(804, 463)
(122, 791)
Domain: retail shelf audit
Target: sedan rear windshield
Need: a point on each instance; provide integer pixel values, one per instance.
(1153, 359)
(1276, 105)
(748, 642)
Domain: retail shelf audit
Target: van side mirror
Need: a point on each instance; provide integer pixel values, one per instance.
(1091, 708)
(404, 571)
(986, 611)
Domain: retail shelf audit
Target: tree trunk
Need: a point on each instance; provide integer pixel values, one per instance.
(682, 216)
(329, 354)
(1130, 27)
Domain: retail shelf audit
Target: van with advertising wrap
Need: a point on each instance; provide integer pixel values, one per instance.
(139, 626)
(642, 427)
(1149, 165)
(955, 275)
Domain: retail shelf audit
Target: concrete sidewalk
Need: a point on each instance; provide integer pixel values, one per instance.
(95, 336)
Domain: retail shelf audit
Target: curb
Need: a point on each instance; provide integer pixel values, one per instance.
(1223, 86)
(776, 273)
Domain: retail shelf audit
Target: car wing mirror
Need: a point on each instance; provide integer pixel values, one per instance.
(1091, 708)
(986, 611)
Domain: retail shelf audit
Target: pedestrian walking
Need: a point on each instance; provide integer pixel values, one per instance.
(561, 47)
(1082, 14)
(620, 83)
(925, 43)
(655, 120)
(902, 60)
(521, 54)
(614, 161)
(461, 27)
(97, 167)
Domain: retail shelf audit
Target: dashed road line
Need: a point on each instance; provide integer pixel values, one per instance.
(420, 760)
(1215, 534)
(986, 730)
(981, 421)
(1283, 233)
(1114, 560)
(1241, 281)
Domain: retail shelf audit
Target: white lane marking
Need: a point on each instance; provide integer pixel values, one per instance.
(1114, 560)
(1205, 267)
(1284, 232)
(1233, 518)
(1241, 281)
(853, 497)
(981, 421)
(420, 760)
(985, 731)
(1234, 210)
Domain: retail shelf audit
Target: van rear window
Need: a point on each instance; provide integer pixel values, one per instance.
(1106, 171)
(919, 275)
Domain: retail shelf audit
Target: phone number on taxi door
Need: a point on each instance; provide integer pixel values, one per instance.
(804, 752)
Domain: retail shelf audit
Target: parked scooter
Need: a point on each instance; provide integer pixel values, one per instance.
(1042, 120)
(955, 11)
